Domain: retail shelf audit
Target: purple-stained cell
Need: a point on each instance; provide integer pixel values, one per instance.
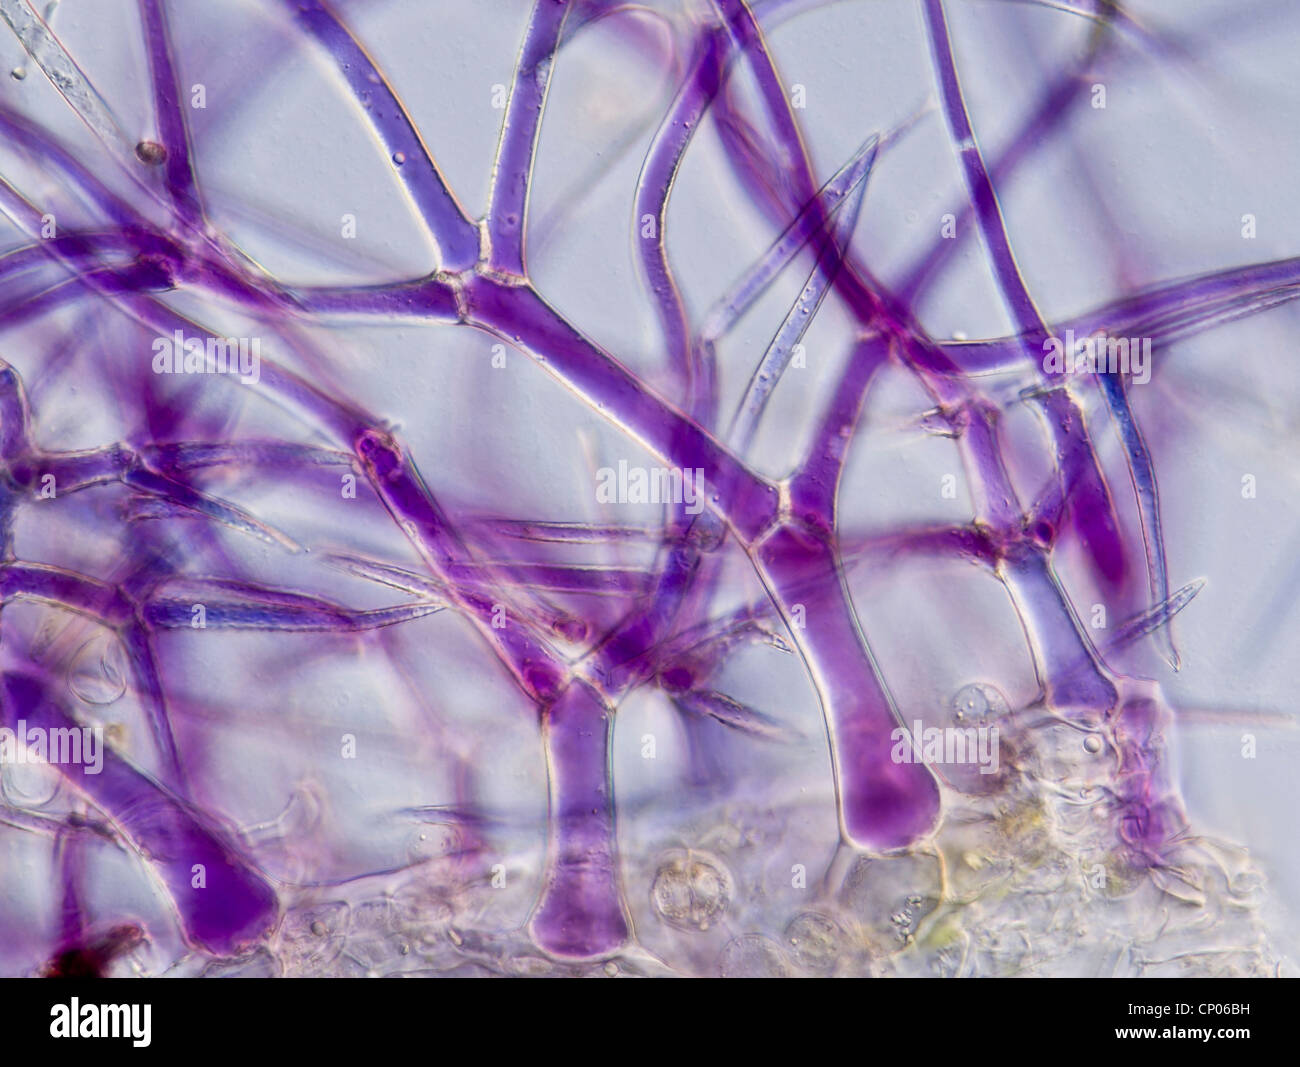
(596, 489)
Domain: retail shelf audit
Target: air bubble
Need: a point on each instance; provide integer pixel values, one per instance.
(691, 890)
(1092, 743)
(752, 956)
(18, 73)
(28, 785)
(98, 673)
(399, 158)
